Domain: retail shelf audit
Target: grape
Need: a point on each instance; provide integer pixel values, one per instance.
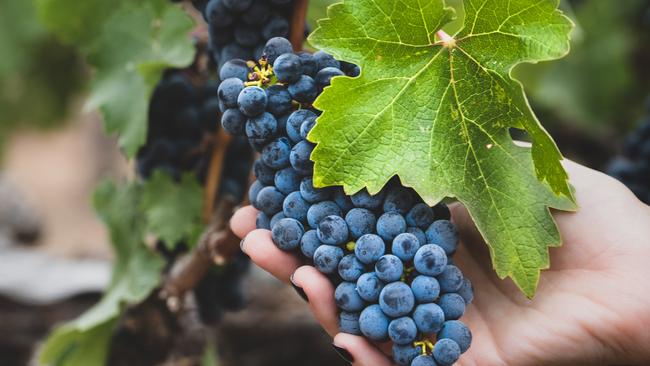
(364, 200)
(276, 27)
(327, 258)
(324, 77)
(246, 35)
(279, 100)
(263, 221)
(237, 5)
(300, 157)
(311, 194)
(324, 59)
(424, 360)
(466, 291)
(451, 279)
(342, 200)
(287, 180)
(349, 323)
(428, 318)
(369, 286)
(360, 222)
(275, 47)
(404, 355)
(402, 330)
(229, 90)
(420, 216)
(425, 289)
(308, 63)
(275, 155)
(456, 331)
(216, 13)
(252, 101)
(236, 68)
(287, 233)
(422, 239)
(389, 225)
(304, 90)
(295, 207)
(287, 68)
(262, 127)
(234, 50)
(396, 299)
(347, 298)
(332, 230)
(317, 212)
(253, 191)
(398, 200)
(351, 268)
(269, 200)
(444, 234)
(369, 248)
(446, 352)
(389, 268)
(374, 323)
(430, 260)
(309, 243)
(441, 212)
(405, 246)
(233, 121)
(263, 173)
(277, 217)
(452, 305)
(258, 13)
(295, 121)
(306, 127)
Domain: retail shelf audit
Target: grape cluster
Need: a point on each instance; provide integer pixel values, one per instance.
(240, 28)
(388, 254)
(633, 168)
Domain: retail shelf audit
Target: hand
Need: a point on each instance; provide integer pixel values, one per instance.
(592, 306)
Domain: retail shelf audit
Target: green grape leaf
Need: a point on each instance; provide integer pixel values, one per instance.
(129, 44)
(436, 111)
(136, 272)
(173, 210)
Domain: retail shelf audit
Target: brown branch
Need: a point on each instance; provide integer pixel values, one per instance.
(298, 19)
(213, 181)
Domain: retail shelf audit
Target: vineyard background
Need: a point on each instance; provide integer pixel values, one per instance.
(53, 154)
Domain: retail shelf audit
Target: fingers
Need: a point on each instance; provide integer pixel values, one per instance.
(320, 292)
(363, 352)
(259, 246)
(243, 221)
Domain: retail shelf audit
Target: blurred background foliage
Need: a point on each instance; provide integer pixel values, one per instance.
(588, 100)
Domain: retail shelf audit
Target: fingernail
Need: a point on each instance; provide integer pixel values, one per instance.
(241, 245)
(343, 353)
(299, 290)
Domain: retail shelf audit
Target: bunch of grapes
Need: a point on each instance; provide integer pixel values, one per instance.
(388, 254)
(633, 168)
(240, 28)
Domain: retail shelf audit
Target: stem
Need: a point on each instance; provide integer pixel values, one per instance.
(297, 36)
(213, 181)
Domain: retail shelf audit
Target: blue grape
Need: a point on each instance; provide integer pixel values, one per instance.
(405, 246)
(350, 69)
(263, 173)
(425, 289)
(262, 127)
(374, 323)
(277, 26)
(360, 222)
(369, 248)
(446, 352)
(276, 154)
(399, 200)
(369, 286)
(349, 323)
(466, 291)
(311, 194)
(263, 221)
(253, 191)
(332, 230)
(389, 225)
(324, 59)
(295, 207)
(309, 64)
(309, 243)
(287, 180)
(402, 330)
(304, 90)
(277, 217)
(295, 121)
(363, 199)
(430, 260)
(216, 13)
(452, 305)
(237, 6)
(428, 318)
(318, 211)
(422, 239)
(404, 355)
(282, 123)
(229, 91)
(342, 200)
(324, 77)
(287, 234)
(275, 47)
(269, 200)
(350, 268)
(389, 268)
(287, 68)
(441, 212)
(306, 127)
(327, 258)
(234, 50)
(421, 216)
(246, 35)
(233, 121)
(424, 360)
(396, 299)
(236, 68)
(347, 298)
(458, 332)
(252, 101)
(451, 279)
(444, 234)
(279, 100)
(300, 155)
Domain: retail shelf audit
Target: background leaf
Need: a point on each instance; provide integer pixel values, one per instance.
(439, 117)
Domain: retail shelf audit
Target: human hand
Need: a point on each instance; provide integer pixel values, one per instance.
(592, 306)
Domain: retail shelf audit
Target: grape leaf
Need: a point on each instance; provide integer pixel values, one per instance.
(437, 111)
(173, 210)
(136, 272)
(129, 44)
